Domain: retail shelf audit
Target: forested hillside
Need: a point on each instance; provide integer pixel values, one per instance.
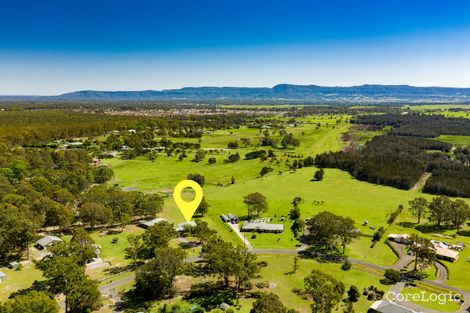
(323, 94)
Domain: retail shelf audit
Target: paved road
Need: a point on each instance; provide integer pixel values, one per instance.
(442, 275)
(465, 294)
(237, 231)
(404, 258)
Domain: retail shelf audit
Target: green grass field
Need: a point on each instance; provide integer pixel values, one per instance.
(18, 279)
(338, 192)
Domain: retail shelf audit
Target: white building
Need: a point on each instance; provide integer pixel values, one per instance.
(403, 238)
(3, 277)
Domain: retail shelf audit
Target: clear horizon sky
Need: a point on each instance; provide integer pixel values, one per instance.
(54, 46)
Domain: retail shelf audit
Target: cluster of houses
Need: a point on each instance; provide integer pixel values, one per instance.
(445, 251)
(180, 228)
(260, 225)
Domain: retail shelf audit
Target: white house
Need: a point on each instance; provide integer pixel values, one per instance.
(403, 238)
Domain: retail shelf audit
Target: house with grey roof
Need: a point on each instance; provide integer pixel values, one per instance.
(46, 241)
(14, 265)
(262, 227)
(224, 218)
(147, 224)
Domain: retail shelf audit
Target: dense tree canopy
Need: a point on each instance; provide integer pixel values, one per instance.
(327, 229)
(324, 291)
(154, 280)
(31, 302)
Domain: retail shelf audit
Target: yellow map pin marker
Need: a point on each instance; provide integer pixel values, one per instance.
(187, 208)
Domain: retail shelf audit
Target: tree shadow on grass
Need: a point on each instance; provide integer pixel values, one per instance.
(132, 301)
(323, 254)
(209, 295)
(189, 245)
(428, 228)
(407, 224)
(121, 269)
(43, 286)
(465, 233)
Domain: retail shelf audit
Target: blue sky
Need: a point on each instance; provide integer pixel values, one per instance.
(55, 46)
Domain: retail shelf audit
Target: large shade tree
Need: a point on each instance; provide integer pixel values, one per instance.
(324, 291)
(256, 204)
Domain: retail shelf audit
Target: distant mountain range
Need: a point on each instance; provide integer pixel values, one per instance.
(282, 92)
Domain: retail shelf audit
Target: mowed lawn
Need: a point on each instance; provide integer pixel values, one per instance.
(19, 279)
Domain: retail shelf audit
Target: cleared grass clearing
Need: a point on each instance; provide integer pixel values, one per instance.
(166, 172)
(455, 140)
(442, 107)
(338, 193)
(380, 254)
